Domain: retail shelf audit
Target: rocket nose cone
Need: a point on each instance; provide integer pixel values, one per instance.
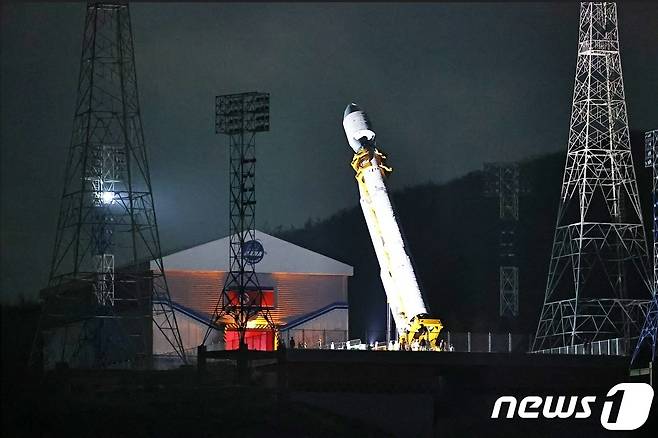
(352, 107)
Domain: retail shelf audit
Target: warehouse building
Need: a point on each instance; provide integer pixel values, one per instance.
(306, 293)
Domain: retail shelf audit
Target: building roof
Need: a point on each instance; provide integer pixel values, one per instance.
(280, 256)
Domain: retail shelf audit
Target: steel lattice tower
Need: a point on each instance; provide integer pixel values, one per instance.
(599, 250)
(650, 330)
(104, 295)
(240, 117)
(502, 181)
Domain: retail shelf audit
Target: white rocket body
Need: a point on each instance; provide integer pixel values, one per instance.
(357, 127)
(397, 274)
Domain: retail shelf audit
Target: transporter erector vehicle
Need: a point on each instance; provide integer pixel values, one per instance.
(408, 308)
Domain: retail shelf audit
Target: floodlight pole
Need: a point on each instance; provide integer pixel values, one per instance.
(240, 117)
(388, 323)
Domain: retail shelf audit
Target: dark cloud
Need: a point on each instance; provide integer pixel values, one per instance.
(448, 86)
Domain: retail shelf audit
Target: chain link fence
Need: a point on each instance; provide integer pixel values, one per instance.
(476, 342)
(317, 339)
(608, 347)
(473, 342)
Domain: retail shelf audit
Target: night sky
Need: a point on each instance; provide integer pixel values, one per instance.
(448, 87)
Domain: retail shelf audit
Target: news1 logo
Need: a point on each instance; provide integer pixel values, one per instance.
(625, 407)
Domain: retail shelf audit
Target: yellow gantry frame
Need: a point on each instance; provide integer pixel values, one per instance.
(422, 327)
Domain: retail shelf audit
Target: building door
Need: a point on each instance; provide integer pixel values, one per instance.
(256, 339)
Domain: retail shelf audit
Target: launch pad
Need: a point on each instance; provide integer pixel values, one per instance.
(423, 371)
(435, 393)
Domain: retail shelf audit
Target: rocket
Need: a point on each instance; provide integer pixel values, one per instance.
(357, 127)
(396, 271)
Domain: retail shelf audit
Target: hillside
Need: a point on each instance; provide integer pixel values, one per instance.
(452, 232)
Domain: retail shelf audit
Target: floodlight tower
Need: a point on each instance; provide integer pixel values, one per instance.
(599, 250)
(240, 117)
(649, 332)
(502, 180)
(104, 295)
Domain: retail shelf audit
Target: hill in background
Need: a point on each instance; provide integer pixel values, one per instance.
(452, 231)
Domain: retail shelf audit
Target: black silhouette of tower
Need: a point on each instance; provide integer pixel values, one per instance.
(649, 332)
(107, 290)
(502, 181)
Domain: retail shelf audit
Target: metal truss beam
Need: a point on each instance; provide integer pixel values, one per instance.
(649, 333)
(599, 254)
(104, 296)
(502, 181)
(240, 117)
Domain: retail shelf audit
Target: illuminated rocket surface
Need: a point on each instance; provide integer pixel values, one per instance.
(397, 274)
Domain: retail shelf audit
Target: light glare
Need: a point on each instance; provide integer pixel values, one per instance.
(107, 197)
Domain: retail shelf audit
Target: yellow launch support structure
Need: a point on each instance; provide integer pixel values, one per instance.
(423, 328)
(412, 328)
